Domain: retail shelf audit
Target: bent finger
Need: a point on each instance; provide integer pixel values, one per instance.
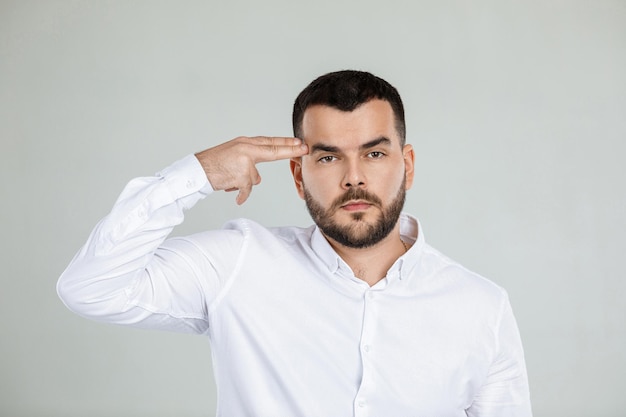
(243, 195)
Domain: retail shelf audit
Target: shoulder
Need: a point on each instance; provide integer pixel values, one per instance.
(238, 236)
(256, 233)
(442, 272)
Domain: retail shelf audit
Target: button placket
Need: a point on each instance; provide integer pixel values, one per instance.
(368, 385)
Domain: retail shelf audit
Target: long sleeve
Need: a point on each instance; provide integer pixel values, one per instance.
(505, 392)
(127, 273)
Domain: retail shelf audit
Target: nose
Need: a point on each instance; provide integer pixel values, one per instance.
(354, 176)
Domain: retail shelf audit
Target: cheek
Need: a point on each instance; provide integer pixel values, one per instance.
(312, 184)
(313, 178)
(388, 183)
(320, 187)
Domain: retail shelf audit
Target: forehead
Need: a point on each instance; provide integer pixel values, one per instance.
(371, 120)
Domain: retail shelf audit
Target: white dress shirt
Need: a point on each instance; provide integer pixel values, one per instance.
(293, 331)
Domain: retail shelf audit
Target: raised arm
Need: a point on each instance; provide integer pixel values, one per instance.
(128, 273)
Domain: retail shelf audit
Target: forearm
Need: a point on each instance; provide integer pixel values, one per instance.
(117, 255)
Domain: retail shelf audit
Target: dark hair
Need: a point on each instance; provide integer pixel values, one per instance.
(346, 90)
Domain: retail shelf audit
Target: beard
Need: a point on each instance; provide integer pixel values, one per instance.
(357, 233)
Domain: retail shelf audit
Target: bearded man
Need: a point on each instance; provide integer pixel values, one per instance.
(354, 316)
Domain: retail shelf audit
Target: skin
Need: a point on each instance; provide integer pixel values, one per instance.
(341, 150)
(231, 166)
(358, 149)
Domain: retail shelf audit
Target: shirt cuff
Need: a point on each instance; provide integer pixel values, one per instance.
(186, 176)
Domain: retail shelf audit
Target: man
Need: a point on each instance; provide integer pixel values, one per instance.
(356, 316)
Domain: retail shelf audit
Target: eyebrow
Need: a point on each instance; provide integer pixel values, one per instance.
(373, 143)
(321, 147)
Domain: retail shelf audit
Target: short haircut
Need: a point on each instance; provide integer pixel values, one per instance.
(346, 90)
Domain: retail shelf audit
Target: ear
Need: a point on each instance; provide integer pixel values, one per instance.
(409, 164)
(295, 164)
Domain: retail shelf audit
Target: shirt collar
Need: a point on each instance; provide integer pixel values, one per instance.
(410, 231)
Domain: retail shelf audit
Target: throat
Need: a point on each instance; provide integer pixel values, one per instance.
(368, 277)
(372, 264)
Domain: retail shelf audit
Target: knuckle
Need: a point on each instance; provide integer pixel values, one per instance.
(271, 148)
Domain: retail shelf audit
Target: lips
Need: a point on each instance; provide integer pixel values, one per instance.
(356, 199)
(356, 205)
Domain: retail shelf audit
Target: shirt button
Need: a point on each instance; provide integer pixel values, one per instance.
(367, 348)
(190, 184)
(370, 295)
(361, 403)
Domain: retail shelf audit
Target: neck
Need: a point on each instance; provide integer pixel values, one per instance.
(372, 263)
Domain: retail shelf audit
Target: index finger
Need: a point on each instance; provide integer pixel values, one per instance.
(273, 148)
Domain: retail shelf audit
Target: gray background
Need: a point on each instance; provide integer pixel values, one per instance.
(516, 110)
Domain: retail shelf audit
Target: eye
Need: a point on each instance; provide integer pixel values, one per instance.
(375, 155)
(326, 159)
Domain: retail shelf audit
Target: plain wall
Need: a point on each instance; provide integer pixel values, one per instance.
(516, 110)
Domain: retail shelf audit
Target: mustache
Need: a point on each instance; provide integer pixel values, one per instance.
(356, 194)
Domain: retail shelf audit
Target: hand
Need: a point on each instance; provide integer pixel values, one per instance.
(232, 165)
